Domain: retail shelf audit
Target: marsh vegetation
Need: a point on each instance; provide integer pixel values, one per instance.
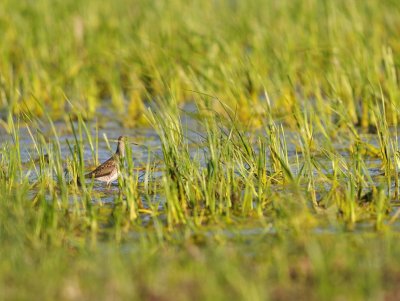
(266, 155)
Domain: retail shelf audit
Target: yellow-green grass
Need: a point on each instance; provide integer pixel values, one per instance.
(73, 55)
(281, 184)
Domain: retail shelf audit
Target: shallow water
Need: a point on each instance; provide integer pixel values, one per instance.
(149, 149)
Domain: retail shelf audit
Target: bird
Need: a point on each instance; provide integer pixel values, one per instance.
(109, 170)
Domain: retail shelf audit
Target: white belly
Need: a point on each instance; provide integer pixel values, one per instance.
(109, 178)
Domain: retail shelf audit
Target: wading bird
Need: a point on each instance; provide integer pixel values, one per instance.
(109, 170)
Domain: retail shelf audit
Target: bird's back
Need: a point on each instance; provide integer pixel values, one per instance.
(104, 169)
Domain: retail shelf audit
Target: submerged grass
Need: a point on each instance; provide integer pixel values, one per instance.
(281, 183)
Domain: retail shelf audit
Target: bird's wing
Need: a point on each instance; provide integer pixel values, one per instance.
(104, 169)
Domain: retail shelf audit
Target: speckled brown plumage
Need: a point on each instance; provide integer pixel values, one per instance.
(108, 171)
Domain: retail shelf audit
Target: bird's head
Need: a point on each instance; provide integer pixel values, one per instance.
(121, 146)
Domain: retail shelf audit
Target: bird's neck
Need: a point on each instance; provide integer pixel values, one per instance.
(120, 153)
